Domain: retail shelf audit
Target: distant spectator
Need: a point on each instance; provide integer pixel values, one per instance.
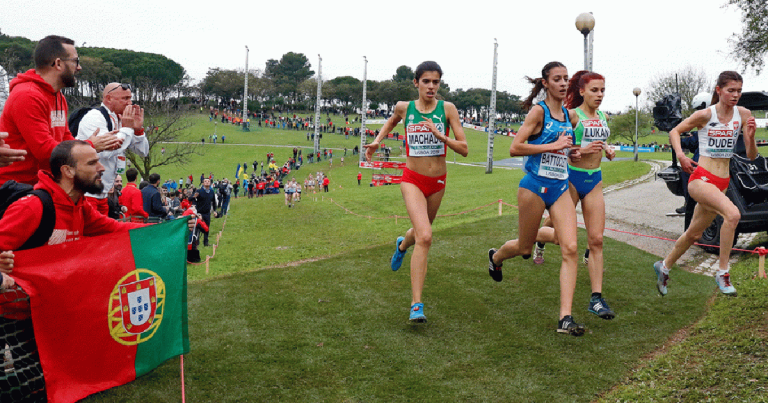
(153, 203)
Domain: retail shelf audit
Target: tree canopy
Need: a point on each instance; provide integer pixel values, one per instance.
(688, 82)
(751, 44)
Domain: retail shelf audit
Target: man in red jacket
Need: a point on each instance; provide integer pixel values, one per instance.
(77, 170)
(131, 196)
(35, 115)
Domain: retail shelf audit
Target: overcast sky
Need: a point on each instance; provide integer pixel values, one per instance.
(634, 41)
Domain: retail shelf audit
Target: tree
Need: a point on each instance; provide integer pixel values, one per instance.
(751, 45)
(688, 81)
(403, 73)
(165, 122)
(288, 73)
(623, 126)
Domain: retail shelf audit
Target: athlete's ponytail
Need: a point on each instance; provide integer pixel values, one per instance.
(722, 81)
(538, 84)
(578, 82)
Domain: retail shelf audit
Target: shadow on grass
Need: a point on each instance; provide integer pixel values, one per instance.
(336, 329)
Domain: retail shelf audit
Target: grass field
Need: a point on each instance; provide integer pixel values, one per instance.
(334, 328)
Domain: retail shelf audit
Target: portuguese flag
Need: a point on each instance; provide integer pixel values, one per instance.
(107, 309)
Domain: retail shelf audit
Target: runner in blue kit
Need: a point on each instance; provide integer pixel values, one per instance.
(719, 127)
(427, 136)
(548, 131)
(585, 94)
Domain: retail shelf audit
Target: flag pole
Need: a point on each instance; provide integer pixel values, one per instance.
(183, 393)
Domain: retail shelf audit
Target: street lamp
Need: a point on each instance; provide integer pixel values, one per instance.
(585, 23)
(636, 91)
(245, 94)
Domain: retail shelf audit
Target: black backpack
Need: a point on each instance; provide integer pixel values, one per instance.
(74, 119)
(12, 191)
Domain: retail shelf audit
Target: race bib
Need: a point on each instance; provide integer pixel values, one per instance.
(594, 130)
(720, 143)
(421, 141)
(554, 165)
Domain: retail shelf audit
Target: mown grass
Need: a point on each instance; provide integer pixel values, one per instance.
(336, 329)
(724, 356)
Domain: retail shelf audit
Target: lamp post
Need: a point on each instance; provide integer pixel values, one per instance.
(585, 23)
(492, 113)
(245, 94)
(364, 111)
(636, 91)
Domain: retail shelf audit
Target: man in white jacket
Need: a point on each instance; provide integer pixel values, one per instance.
(127, 123)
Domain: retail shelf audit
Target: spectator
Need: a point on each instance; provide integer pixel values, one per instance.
(326, 182)
(128, 121)
(359, 177)
(116, 210)
(131, 197)
(153, 203)
(76, 170)
(225, 192)
(35, 115)
(205, 199)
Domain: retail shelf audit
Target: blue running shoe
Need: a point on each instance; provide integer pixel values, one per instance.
(724, 282)
(567, 325)
(397, 257)
(661, 278)
(417, 313)
(599, 307)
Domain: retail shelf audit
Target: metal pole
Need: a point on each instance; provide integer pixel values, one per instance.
(317, 104)
(636, 114)
(364, 111)
(591, 48)
(586, 52)
(492, 113)
(245, 93)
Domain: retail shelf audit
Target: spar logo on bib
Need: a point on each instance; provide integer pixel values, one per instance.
(136, 307)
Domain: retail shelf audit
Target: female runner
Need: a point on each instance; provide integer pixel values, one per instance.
(423, 182)
(719, 127)
(585, 94)
(548, 129)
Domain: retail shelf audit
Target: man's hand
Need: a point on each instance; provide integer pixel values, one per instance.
(191, 222)
(106, 141)
(6, 262)
(8, 155)
(133, 117)
(8, 282)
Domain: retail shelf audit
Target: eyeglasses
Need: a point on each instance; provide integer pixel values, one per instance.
(75, 59)
(126, 87)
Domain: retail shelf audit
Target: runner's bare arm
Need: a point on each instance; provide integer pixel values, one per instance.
(533, 124)
(749, 128)
(698, 119)
(400, 110)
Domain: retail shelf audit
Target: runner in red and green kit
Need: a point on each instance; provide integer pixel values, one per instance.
(423, 185)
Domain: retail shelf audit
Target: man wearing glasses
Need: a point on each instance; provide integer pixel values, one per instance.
(35, 115)
(126, 122)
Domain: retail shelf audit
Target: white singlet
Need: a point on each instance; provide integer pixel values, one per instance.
(717, 140)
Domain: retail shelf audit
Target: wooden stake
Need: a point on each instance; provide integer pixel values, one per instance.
(761, 265)
(499, 207)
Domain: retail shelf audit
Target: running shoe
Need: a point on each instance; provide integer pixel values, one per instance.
(599, 307)
(586, 257)
(538, 254)
(724, 282)
(397, 257)
(661, 278)
(568, 326)
(417, 313)
(493, 269)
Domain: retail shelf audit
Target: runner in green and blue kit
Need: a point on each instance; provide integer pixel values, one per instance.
(548, 131)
